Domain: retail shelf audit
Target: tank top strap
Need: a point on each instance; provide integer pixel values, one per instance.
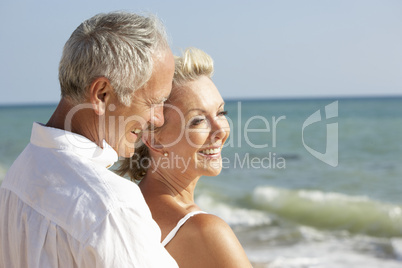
(180, 224)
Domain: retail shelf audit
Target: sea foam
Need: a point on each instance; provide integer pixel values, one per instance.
(333, 211)
(234, 216)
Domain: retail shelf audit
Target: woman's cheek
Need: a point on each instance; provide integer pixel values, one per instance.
(197, 139)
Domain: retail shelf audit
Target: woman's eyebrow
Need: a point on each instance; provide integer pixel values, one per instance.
(202, 110)
(196, 109)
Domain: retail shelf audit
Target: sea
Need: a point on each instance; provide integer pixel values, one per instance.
(304, 182)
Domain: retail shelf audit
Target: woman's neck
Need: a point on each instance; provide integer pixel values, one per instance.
(174, 184)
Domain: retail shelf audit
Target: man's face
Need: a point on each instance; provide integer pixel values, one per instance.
(126, 122)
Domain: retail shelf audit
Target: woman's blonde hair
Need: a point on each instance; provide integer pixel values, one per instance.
(193, 64)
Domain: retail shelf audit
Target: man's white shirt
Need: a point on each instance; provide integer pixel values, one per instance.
(61, 207)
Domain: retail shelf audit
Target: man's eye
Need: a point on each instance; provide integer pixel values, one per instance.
(159, 102)
(163, 100)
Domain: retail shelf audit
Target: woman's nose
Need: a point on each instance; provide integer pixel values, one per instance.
(219, 129)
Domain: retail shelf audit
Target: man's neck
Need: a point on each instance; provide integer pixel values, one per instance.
(79, 119)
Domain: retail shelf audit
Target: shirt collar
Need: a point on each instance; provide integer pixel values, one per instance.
(54, 138)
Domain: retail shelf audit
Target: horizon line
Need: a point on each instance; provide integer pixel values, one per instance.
(295, 98)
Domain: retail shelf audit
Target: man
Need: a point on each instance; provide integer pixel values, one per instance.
(59, 204)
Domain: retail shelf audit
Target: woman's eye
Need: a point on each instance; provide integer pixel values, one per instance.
(197, 120)
(223, 113)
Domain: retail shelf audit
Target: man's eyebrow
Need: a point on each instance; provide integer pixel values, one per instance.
(163, 99)
(160, 100)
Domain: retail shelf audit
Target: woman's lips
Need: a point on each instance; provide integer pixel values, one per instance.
(211, 152)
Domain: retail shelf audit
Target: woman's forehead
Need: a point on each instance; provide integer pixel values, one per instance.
(199, 94)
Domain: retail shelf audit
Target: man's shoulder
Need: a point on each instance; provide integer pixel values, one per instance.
(74, 193)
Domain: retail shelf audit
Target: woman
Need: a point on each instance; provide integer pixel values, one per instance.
(175, 156)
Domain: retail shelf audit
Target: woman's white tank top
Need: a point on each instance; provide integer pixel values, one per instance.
(180, 224)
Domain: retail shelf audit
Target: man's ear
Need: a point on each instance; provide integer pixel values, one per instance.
(100, 92)
(149, 139)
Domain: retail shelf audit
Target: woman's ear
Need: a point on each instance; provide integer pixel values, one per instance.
(150, 140)
(100, 92)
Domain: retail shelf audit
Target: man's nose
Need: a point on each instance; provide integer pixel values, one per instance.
(157, 119)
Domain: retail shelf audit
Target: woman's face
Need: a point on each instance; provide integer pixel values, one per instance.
(195, 129)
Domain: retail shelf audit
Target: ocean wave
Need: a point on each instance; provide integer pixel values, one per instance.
(331, 211)
(333, 253)
(293, 262)
(234, 216)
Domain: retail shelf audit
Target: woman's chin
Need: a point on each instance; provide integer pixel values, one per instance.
(211, 168)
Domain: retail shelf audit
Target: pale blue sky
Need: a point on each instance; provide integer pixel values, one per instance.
(262, 49)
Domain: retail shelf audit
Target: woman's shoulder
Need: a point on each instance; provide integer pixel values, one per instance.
(208, 241)
(205, 224)
(210, 231)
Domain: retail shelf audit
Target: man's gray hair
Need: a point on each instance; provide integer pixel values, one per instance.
(119, 46)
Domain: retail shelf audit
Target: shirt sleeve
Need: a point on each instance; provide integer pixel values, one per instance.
(125, 239)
